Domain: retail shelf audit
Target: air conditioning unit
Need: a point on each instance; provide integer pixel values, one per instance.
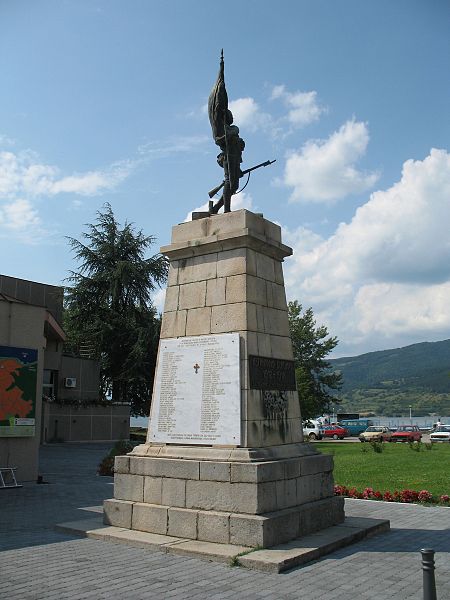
(70, 382)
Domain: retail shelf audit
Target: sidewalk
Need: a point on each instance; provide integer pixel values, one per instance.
(37, 562)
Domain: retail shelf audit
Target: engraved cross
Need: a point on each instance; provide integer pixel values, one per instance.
(196, 367)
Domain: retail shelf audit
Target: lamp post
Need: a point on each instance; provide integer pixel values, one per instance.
(410, 414)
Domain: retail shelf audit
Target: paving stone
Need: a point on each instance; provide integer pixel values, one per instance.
(59, 564)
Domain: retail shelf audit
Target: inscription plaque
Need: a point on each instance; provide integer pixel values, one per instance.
(197, 397)
(271, 373)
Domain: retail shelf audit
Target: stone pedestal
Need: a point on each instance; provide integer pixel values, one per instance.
(226, 276)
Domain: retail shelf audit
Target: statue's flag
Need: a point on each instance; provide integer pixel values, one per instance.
(218, 104)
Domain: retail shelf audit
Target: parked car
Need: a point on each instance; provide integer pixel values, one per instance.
(377, 433)
(441, 434)
(334, 431)
(407, 433)
(311, 430)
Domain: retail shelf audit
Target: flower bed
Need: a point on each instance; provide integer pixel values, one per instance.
(407, 496)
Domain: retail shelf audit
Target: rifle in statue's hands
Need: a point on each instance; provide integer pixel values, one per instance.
(219, 187)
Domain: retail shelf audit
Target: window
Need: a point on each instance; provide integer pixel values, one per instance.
(49, 384)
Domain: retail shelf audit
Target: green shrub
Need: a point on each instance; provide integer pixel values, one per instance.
(106, 466)
(416, 446)
(377, 446)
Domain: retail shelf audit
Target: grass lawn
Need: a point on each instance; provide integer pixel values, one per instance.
(396, 468)
(138, 434)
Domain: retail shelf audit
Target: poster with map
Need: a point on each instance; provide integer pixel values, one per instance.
(18, 377)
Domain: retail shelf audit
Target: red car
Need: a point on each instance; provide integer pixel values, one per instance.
(334, 431)
(407, 433)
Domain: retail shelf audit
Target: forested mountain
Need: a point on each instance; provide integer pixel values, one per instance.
(389, 381)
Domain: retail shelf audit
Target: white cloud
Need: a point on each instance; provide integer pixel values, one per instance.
(387, 272)
(173, 145)
(159, 297)
(392, 309)
(303, 107)
(93, 182)
(238, 201)
(19, 216)
(20, 220)
(242, 200)
(248, 114)
(24, 179)
(244, 110)
(325, 171)
(6, 141)
(278, 91)
(21, 174)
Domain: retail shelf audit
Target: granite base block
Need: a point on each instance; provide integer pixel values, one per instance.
(234, 487)
(251, 530)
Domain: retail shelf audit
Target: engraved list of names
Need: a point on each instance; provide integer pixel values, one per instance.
(197, 397)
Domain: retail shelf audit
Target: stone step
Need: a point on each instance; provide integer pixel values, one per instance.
(273, 560)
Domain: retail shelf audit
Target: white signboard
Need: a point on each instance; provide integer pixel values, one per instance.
(197, 398)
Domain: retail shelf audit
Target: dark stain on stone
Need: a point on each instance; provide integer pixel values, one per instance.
(275, 408)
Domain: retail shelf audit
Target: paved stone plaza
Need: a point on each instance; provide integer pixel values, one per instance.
(39, 563)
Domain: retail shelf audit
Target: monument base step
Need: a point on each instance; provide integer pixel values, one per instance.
(272, 560)
(241, 529)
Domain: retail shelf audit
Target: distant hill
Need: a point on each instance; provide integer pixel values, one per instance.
(387, 382)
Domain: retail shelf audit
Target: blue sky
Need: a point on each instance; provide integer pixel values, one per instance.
(104, 101)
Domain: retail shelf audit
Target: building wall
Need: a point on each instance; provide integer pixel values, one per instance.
(52, 358)
(25, 323)
(86, 372)
(31, 292)
(89, 423)
(72, 418)
(22, 326)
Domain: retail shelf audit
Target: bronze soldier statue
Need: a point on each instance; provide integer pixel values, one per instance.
(226, 136)
(230, 160)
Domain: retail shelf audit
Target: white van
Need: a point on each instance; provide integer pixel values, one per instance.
(311, 430)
